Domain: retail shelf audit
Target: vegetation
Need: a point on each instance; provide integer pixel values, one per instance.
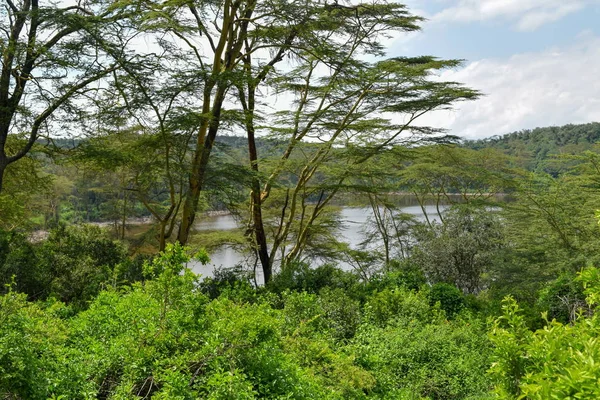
(488, 291)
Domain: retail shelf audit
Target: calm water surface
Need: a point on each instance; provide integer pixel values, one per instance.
(354, 223)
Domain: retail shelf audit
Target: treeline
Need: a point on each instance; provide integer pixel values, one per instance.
(537, 148)
(83, 191)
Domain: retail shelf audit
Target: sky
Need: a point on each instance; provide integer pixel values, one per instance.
(537, 62)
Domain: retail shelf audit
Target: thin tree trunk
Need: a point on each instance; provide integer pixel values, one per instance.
(162, 237)
(258, 228)
(199, 165)
(124, 215)
(257, 219)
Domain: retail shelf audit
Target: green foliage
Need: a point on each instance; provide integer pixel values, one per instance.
(509, 334)
(402, 273)
(451, 174)
(563, 299)
(229, 282)
(461, 249)
(450, 298)
(24, 188)
(79, 262)
(300, 276)
(415, 353)
(20, 265)
(399, 305)
(558, 361)
(536, 147)
(164, 339)
(73, 264)
(31, 348)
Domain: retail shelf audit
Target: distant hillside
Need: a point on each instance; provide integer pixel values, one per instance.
(537, 148)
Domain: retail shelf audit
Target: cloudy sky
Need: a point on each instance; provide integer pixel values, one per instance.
(536, 61)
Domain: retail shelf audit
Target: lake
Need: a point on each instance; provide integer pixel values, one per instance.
(354, 221)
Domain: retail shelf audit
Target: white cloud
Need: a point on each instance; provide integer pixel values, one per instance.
(554, 87)
(526, 15)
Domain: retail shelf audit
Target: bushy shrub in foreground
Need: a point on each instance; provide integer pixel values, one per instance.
(164, 339)
(414, 352)
(560, 361)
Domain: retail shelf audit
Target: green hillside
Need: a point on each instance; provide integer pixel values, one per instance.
(538, 148)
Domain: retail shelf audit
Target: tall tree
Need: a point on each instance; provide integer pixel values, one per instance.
(49, 58)
(340, 101)
(312, 53)
(147, 129)
(222, 37)
(449, 174)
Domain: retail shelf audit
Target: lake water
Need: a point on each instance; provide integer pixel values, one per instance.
(354, 222)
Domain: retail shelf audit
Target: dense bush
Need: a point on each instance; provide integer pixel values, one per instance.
(169, 336)
(461, 250)
(164, 339)
(32, 348)
(563, 299)
(558, 361)
(301, 277)
(72, 265)
(20, 266)
(414, 352)
(449, 297)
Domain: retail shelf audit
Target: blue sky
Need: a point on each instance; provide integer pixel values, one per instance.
(537, 61)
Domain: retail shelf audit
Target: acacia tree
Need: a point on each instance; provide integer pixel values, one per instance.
(340, 101)
(314, 51)
(348, 113)
(448, 174)
(231, 30)
(49, 58)
(330, 37)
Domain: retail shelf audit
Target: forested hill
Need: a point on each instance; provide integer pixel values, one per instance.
(539, 147)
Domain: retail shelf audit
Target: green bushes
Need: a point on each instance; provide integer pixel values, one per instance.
(164, 338)
(32, 343)
(417, 360)
(449, 297)
(72, 265)
(300, 276)
(414, 352)
(558, 361)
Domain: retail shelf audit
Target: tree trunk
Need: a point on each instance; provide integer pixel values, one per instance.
(200, 163)
(124, 215)
(258, 228)
(257, 220)
(233, 34)
(162, 237)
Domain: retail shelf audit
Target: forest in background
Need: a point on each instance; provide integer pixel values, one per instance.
(279, 113)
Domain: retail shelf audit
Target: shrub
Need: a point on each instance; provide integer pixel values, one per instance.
(413, 359)
(558, 361)
(301, 277)
(449, 297)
